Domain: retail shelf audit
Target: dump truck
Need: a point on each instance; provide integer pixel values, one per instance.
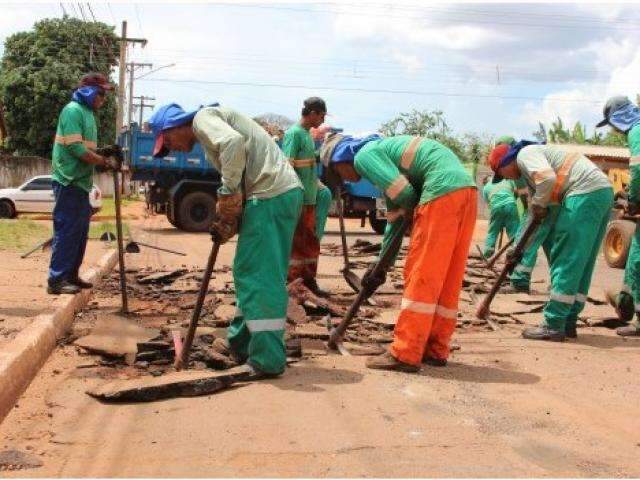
(617, 239)
(182, 185)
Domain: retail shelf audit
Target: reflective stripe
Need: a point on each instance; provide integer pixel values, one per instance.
(302, 162)
(74, 138)
(418, 307)
(396, 187)
(409, 154)
(523, 268)
(542, 175)
(581, 298)
(69, 139)
(302, 261)
(562, 174)
(633, 161)
(446, 312)
(266, 325)
(559, 297)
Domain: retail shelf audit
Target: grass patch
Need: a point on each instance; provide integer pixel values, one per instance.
(109, 205)
(97, 229)
(21, 233)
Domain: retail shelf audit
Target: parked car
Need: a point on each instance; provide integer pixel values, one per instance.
(36, 196)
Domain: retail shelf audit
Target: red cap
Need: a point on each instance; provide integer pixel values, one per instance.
(159, 148)
(95, 80)
(496, 156)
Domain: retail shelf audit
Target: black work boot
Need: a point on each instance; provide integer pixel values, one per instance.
(434, 362)
(542, 332)
(628, 331)
(312, 285)
(78, 282)
(571, 331)
(622, 302)
(62, 287)
(386, 361)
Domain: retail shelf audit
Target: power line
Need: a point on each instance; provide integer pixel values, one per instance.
(372, 90)
(387, 15)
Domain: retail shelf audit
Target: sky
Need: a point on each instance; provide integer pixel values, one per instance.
(492, 68)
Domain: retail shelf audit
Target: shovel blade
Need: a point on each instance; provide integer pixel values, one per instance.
(107, 237)
(132, 247)
(352, 280)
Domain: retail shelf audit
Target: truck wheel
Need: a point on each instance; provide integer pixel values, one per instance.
(196, 211)
(617, 241)
(7, 210)
(377, 224)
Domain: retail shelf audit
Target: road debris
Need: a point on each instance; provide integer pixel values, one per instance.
(175, 384)
(11, 460)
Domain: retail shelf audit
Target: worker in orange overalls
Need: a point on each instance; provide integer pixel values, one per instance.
(424, 180)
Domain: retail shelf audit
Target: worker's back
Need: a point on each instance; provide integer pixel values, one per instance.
(267, 172)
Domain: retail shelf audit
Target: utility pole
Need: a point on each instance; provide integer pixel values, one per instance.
(132, 68)
(124, 41)
(143, 105)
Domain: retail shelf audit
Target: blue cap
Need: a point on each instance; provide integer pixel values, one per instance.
(166, 117)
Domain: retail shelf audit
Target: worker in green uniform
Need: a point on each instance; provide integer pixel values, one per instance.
(520, 278)
(73, 159)
(299, 148)
(621, 114)
(503, 212)
(261, 197)
(585, 197)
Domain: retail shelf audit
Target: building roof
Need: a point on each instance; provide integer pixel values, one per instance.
(594, 150)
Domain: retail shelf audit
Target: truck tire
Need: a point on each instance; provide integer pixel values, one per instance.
(377, 224)
(617, 241)
(196, 211)
(7, 209)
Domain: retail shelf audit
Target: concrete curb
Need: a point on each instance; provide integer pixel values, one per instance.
(23, 357)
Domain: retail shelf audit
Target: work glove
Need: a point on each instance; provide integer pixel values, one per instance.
(113, 157)
(229, 207)
(222, 231)
(371, 281)
(632, 209)
(538, 212)
(397, 213)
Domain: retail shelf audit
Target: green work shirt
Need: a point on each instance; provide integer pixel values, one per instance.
(633, 138)
(236, 145)
(299, 148)
(499, 194)
(540, 164)
(401, 167)
(77, 131)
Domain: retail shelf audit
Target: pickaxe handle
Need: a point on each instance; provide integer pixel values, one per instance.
(182, 359)
(483, 309)
(491, 262)
(160, 248)
(42, 245)
(382, 265)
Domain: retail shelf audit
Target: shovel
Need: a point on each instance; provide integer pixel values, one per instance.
(134, 247)
(351, 278)
(383, 265)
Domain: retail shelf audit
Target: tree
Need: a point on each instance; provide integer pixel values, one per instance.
(429, 124)
(40, 69)
(276, 119)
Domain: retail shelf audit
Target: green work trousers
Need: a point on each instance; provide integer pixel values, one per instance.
(323, 205)
(632, 277)
(260, 275)
(501, 217)
(521, 276)
(575, 238)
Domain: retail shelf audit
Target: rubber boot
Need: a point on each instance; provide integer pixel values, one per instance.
(622, 303)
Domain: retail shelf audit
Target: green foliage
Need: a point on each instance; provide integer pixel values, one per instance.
(38, 73)
(578, 134)
(429, 124)
(470, 148)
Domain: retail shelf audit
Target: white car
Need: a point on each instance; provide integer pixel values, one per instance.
(36, 196)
